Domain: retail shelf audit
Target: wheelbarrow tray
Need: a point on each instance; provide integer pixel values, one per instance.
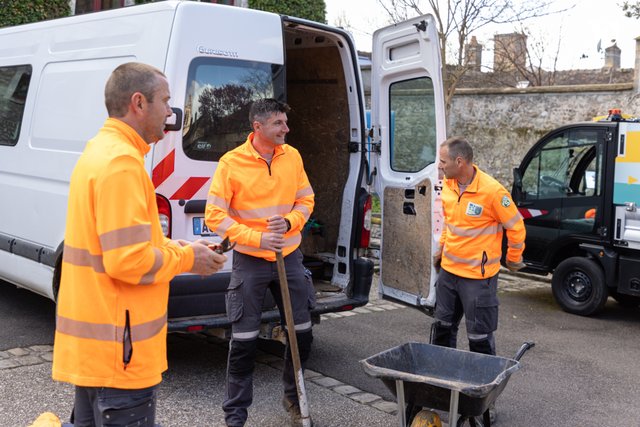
(429, 373)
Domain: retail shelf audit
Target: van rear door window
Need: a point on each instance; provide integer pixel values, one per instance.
(219, 94)
(14, 84)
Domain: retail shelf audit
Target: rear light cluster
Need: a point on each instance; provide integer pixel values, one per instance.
(164, 214)
(365, 233)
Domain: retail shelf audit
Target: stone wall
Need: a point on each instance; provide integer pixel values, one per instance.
(503, 124)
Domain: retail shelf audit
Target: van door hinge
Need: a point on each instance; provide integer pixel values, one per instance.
(354, 147)
(376, 147)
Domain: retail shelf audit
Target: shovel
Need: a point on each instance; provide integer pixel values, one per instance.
(293, 341)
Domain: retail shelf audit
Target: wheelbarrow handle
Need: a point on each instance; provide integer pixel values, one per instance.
(523, 349)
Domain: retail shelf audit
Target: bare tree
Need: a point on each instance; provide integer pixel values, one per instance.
(457, 20)
(631, 9)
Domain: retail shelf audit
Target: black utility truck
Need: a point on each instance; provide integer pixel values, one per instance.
(578, 189)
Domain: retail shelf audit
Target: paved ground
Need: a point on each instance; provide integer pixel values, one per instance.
(27, 389)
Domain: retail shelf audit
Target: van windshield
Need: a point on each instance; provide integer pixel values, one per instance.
(219, 94)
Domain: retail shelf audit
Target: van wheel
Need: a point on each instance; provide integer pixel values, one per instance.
(579, 287)
(630, 301)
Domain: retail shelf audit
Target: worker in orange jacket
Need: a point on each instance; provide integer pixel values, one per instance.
(110, 339)
(477, 209)
(260, 198)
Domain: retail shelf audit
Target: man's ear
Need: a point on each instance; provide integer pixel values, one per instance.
(137, 100)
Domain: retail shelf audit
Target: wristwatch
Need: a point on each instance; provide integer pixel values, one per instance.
(288, 224)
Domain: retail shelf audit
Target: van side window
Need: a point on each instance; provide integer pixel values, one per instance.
(14, 84)
(219, 94)
(412, 124)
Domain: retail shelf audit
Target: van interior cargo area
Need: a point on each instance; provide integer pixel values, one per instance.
(319, 123)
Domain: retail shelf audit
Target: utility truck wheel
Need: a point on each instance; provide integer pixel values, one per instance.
(579, 287)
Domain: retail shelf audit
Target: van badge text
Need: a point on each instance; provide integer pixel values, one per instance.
(217, 52)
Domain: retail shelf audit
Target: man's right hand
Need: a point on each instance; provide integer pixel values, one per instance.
(206, 261)
(272, 242)
(437, 259)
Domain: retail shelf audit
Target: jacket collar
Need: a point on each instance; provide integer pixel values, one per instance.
(279, 149)
(472, 187)
(129, 134)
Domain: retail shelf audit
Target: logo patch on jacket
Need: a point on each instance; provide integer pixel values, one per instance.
(473, 209)
(505, 201)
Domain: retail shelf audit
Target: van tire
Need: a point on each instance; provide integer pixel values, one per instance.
(579, 287)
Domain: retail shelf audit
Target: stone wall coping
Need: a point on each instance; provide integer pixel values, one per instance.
(613, 87)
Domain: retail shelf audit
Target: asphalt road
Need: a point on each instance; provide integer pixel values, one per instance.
(582, 372)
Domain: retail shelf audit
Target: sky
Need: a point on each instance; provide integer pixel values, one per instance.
(577, 31)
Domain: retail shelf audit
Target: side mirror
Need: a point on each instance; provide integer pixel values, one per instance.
(175, 121)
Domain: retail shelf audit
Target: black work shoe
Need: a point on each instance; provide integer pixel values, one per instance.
(294, 410)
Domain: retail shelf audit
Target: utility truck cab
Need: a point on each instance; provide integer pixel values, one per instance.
(578, 190)
(218, 59)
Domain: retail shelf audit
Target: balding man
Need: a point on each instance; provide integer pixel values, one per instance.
(111, 324)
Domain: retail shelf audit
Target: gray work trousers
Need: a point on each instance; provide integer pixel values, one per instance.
(477, 300)
(250, 279)
(113, 407)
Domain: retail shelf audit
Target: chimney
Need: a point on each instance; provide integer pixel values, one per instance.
(612, 57)
(509, 51)
(474, 54)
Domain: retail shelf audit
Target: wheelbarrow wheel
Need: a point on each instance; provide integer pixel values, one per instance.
(426, 418)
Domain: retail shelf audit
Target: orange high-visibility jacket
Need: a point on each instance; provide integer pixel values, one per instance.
(116, 267)
(471, 241)
(246, 190)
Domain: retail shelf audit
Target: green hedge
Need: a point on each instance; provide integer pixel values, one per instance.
(17, 12)
(314, 10)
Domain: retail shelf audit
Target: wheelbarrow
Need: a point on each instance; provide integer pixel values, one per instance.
(444, 378)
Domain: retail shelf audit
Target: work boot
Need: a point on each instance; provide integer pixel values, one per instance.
(294, 410)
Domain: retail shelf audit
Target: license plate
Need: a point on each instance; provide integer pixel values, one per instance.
(200, 228)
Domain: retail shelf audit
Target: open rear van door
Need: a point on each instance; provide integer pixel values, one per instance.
(408, 124)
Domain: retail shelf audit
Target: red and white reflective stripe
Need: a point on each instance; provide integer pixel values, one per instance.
(531, 213)
(174, 187)
(189, 188)
(164, 169)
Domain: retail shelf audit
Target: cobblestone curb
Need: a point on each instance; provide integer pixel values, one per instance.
(25, 356)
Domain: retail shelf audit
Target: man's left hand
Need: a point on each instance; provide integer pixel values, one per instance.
(515, 265)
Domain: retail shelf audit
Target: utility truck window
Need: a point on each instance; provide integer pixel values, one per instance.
(14, 84)
(412, 125)
(569, 165)
(219, 94)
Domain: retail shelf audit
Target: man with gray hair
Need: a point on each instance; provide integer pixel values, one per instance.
(476, 209)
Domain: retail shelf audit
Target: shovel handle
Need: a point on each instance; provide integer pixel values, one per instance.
(293, 341)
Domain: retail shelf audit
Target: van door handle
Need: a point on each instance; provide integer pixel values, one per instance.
(408, 208)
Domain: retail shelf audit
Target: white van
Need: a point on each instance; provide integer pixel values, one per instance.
(218, 60)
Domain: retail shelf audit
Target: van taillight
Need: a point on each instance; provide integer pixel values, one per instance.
(164, 214)
(365, 232)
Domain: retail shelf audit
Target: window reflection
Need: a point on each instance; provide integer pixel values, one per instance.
(412, 124)
(219, 95)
